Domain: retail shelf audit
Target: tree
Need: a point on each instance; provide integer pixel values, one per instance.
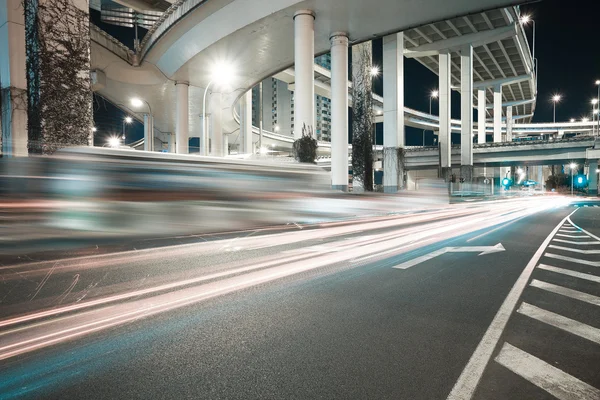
(305, 148)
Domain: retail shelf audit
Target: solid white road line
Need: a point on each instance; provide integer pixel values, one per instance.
(572, 236)
(469, 378)
(558, 321)
(583, 230)
(572, 259)
(580, 275)
(574, 294)
(572, 242)
(545, 376)
(552, 246)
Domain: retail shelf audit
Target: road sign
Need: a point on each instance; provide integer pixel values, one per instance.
(473, 249)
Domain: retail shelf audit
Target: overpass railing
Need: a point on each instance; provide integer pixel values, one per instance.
(111, 44)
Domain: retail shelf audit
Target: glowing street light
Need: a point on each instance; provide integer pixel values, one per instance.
(276, 128)
(572, 120)
(433, 95)
(222, 74)
(114, 141)
(555, 99)
(585, 119)
(526, 19)
(94, 129)
(127, 120)
(374, 70)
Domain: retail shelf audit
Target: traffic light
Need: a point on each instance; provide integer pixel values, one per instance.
(506, 182)
(580, 181)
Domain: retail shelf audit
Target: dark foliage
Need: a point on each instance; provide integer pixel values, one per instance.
(305, 148)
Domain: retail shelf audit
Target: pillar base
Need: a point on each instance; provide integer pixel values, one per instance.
(446, 173)
(390, 189)
(343, 188)
(466, 172)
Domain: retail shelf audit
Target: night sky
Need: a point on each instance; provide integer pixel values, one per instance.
(568, 64)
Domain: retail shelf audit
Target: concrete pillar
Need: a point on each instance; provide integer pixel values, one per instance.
(182, 122)
(13, 80)
(247, 145)
(497, 114)
(509, 123)
(304, 54)
(593, 177)
(217, 146)
(148, 132)
(445, 128)
(339, 111)
(393, 111)
(540, 176)
(466, 113)
(481, 116)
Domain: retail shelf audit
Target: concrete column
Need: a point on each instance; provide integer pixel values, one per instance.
(393, 111)
(247, 145)
(445, 128)
(497, 114)
(339, 111)
(593, 177)
(540, 175)
(148, 132)
(466, 113)
(304, 54)
(481, 116)
(182, 122)
(13, 80)
(509, 123)
(217, 147)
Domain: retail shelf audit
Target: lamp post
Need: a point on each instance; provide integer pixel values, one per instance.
(127, 120)
(525, 19)
(598, 124)
(148, 124)
(555, 99)
(594, 102)
(433, 95)
(573, 166)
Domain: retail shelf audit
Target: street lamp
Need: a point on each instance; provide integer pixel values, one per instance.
(555, 99)
(113, 141)
(433, 95)
(573, 166)
(148, 123)
(127, 120)
(598, 127)
(221, 75)
(525, 19)
(276, 128)
(374, 70)
(572, 120)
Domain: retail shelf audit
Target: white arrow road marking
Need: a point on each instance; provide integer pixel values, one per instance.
(575, 260)
(552, 246)
(472, 249)
(545, 376)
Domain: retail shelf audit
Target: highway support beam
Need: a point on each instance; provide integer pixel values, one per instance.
(182, 122)
(497, 114)
(393, 112)
(13, 80)
(466, 113)
(509, 123)
(148, 132)
(304, 56)
(593, 177)
(246, 144)
(481, 116)
(216, 111)
(339, 111)
(445, 107)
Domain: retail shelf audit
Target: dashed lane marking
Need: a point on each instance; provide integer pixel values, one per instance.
(558, 321)
(545, 376)
(580, 275)
(552, 246)
(572, 259)
(572, 242)
(574, 294)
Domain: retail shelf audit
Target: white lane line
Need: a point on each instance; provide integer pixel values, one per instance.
(495, 229)
(552, 246)
(585, 205)
(545, 376)
(572, 242)
(580, 275)
(572, 259)
(465, 386)
(558, 321)
(572, 236)
(574, 294)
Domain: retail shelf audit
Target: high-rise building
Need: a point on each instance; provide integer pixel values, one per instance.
(278, 106)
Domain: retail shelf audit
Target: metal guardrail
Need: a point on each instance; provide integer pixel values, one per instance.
(508, 144)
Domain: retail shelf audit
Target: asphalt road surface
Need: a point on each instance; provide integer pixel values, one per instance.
(485, 301)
